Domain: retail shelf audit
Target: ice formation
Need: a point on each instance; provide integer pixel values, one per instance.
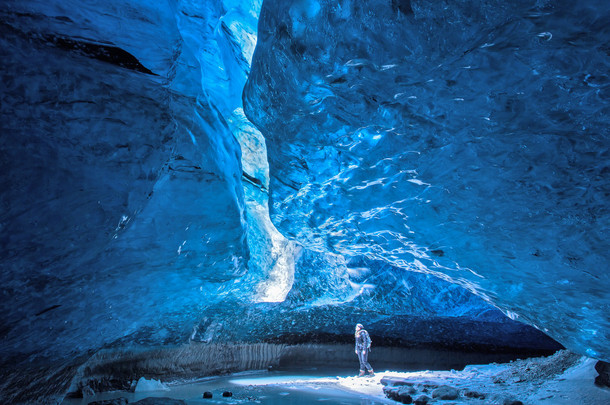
(240, 171)
(468, 140)
(150, 385)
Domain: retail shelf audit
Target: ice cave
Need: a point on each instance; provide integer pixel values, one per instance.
(201, 198)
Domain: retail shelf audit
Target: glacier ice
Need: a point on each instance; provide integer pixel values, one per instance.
(144, 385)
(469, 141)
(386, 160)
(108, 176)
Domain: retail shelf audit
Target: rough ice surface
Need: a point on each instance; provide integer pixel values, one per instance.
(467, 140)
(150, 385)
(122, 196)
(386, 160)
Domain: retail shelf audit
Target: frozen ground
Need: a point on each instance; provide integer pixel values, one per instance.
(559, 379)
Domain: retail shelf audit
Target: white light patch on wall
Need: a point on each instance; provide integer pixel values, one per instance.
(280, 277)
(272, 257)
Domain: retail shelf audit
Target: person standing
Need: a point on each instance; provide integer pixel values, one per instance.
(363, 347)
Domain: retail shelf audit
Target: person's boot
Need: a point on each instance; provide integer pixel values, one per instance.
(361, 373)
(372, 373)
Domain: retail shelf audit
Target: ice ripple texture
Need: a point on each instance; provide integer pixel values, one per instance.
(464, 139)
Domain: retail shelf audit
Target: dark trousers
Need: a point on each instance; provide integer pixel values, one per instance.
(363, 356)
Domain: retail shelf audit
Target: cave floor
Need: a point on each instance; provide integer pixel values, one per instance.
(555, 380)
(262, 387)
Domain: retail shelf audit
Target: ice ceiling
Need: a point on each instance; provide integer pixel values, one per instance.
(384, 160)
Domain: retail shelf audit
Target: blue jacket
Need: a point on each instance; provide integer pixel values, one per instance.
(363, 341)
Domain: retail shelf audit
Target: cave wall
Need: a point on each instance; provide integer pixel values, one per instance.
(464, 139)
